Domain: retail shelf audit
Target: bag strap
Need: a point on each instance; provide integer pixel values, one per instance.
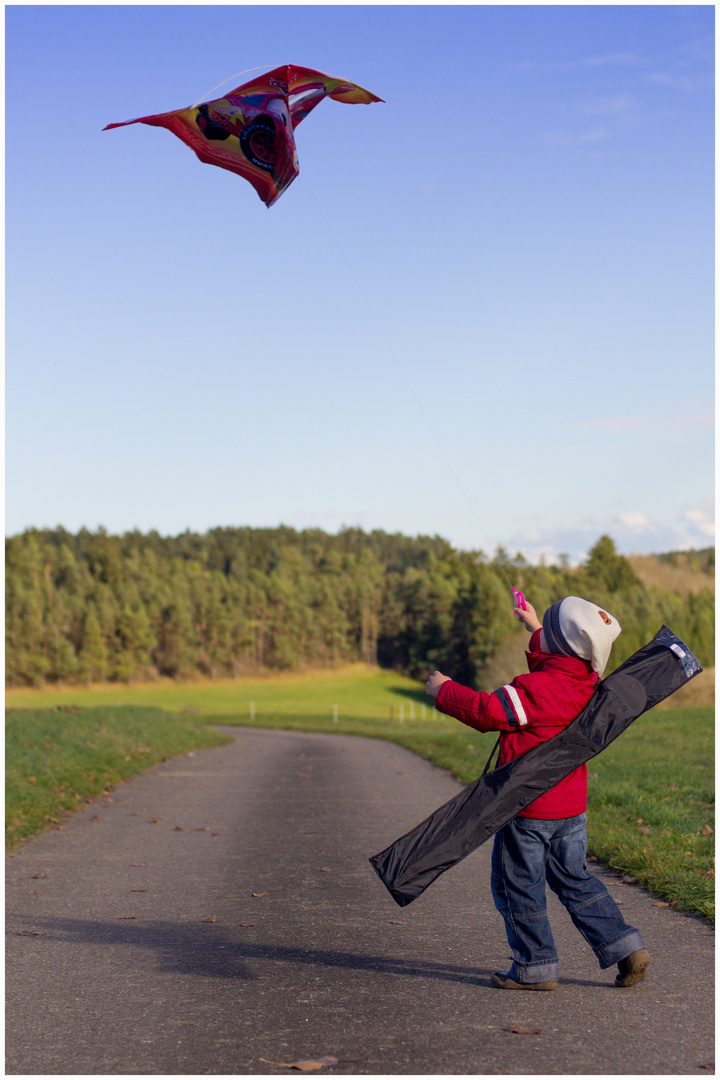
(492, 755)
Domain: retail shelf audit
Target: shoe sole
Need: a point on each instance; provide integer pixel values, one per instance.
(635, 976)
(509, 984)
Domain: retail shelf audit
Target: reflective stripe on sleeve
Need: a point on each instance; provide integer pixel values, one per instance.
(516, 704)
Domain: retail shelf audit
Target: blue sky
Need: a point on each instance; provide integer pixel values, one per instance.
(484, 309)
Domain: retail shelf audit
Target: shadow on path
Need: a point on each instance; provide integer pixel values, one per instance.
(206, 950)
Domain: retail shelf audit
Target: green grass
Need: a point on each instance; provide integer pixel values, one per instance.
(55, 759)
(660, 770)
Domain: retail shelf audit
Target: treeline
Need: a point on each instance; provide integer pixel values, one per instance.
(92, 606)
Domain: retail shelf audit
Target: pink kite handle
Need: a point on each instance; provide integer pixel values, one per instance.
(519, 599)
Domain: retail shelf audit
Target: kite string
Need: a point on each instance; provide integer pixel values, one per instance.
(263, 67)
(405, 375)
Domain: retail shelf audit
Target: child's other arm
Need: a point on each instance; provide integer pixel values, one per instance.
(484, 712)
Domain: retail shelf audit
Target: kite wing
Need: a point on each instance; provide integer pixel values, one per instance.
(250, 131)
(455, 829)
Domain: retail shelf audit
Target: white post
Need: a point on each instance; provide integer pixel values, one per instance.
(252, 710)
(335, 714)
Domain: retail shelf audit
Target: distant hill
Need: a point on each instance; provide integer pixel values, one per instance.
(677, 571)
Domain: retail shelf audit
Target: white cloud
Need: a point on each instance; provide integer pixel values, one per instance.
(633, 531)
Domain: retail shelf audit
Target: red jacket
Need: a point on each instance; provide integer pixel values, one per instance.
(530, 710)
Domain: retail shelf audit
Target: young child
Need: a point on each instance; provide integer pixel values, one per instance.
(567, 654)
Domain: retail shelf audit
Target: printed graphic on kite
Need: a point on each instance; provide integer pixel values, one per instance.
(250, 131)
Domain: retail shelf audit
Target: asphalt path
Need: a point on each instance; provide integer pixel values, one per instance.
(219, 914)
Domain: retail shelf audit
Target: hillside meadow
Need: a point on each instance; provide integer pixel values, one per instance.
(651, 794)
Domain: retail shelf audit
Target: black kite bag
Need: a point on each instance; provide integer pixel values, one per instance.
(461, 825)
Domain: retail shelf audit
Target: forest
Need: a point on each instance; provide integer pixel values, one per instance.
(91, 607)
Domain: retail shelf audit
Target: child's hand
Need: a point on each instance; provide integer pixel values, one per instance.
(435, 682)
(528, 617)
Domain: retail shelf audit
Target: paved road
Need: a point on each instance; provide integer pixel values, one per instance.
(221, 910)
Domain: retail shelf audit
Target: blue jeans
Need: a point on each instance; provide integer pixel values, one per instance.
(526, 853)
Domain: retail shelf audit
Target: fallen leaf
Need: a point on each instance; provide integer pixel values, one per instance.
(248, 924)
(179, 828)
(127, 916)
(304, 1066)
(640, 821)
(592, 858)
(139, 890)
(630, 880)
(397, 922)
(154, 820)
(708, 1065)
(661, 903)
(138, 864)
(32, 933)
(210, 918)
(215, 834)
(645, 830)
(518, 1029)
(326, 870)
(95, 818)
(33, 892)
(673, 787)
(203, 828)
(41, 874)
(259, 894)
(709, 873)
(706, 830)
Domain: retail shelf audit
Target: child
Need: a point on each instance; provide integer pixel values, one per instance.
(568, 653)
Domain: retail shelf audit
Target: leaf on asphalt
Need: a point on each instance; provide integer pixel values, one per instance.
(154, 820)
(32, 933)
(179, 828)
(259, 894)
(710, 1065)
(248, 924)
(95, 818)
(127, 916)
(138, 864)
(304, 1066)
(326, 870)
(397, 922)
(139, 890)
(518, 1029)
(661, 903)
(203, 828)
(40, 874)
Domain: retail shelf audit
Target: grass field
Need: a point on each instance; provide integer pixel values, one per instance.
(651, 794)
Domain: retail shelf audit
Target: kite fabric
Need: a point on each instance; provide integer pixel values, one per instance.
(461, 825)
(250, 131)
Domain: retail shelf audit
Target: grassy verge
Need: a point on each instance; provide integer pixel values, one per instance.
(57, 758)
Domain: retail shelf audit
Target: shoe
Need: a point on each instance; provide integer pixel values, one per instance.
(504, 982)
(633, 968)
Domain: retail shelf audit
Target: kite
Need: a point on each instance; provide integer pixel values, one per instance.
(466, 821)
(250, 131)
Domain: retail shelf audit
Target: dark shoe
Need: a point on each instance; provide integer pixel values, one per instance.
(504, 982)
(633, 968)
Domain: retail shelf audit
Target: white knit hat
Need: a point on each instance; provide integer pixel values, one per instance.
(575, 627)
